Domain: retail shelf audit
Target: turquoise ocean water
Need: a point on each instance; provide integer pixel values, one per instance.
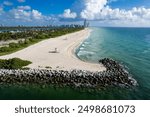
(130, 46)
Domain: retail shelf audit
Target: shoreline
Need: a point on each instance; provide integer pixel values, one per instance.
(64, 59)
(71, 72)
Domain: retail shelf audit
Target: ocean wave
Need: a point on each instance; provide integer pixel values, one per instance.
(83, 45)
(81, 48)
(85, 53)
(86, 42)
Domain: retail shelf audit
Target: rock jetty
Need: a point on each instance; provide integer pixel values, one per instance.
(120, 75)
(115, 75)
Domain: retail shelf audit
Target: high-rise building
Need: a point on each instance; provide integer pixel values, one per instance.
(86, 24)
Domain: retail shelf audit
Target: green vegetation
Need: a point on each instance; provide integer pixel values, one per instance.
(36, 33)
(31, 37)
(14, 63)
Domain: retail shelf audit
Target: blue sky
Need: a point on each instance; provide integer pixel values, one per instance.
(128, 4)
(98, 12)
(47, 7)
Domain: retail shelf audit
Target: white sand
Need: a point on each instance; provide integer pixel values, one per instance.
(40, 56)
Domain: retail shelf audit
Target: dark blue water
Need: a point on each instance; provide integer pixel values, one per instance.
(130, 46)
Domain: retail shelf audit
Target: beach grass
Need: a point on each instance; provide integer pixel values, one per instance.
(14, 47)
(14, 63)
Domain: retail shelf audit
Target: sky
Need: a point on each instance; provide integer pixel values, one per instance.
(119, 13)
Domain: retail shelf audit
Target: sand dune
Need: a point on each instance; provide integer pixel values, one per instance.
(43, 53)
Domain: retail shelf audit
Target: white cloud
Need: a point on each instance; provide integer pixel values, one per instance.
(20, 14)
(92, 8)
(68, 14)
(36, 14)
(98, 10)
(24, 7)
(25, 15)
(133, 15)
(21, 0)
(7, 3)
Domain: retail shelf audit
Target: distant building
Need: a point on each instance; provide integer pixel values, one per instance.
(86, 24)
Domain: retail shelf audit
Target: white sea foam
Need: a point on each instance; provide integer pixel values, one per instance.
(86, 42)
(85, 52)
(81, 48)
(83, 45)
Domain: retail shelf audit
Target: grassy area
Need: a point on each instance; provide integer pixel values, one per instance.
(13, 47)
(14, 63)
(31, 38)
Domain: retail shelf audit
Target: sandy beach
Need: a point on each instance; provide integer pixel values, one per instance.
(42, 54)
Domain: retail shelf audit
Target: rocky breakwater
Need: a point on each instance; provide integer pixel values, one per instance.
(120, 76)
(114, 75)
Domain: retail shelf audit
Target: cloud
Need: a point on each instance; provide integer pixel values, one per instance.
(19, 14)
(36, 14)
(99, 11)
(122, 14)
(92, 8)
(134, 14)
(7, 3)
(68, 14)
(24, 7)
(21, 0)
(25, 15)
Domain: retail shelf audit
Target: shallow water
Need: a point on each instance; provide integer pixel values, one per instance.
(130, 46)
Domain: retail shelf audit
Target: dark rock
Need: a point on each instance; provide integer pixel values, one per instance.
(114, 75)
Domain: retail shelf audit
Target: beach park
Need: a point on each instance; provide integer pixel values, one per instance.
(43, 54)
(53, 62)
(83, 49)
